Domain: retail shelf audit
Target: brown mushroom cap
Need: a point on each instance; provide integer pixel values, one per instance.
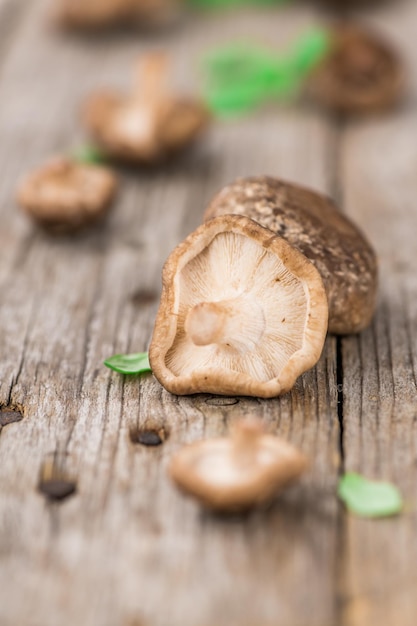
(362, 74)
(95, 14)
(242, 312)
(311, 223)
(148, 125)
(237, 473)
(91, 13)
(64, 195)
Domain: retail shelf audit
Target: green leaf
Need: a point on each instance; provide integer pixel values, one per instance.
(241, 76)
(310, 50)
(129, 363)
(367, 498)
(88, 154)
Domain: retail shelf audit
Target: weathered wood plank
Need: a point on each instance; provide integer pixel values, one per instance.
(127, 548)
(379, 367)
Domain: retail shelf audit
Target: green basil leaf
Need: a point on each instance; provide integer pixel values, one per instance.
(241, 76)
(129, 363)
(88, 154)
(368, 498)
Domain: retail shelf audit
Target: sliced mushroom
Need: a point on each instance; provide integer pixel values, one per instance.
(242, 312)
(149, 124)
(311, 223)
(362, 73)
(64, 195)
(95, 14)
(237, 473)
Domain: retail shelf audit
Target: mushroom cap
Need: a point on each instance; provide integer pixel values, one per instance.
(310, 222)
(362, 74)
(91, 13)
(64, 195)
(242, 313)
(139, 131)
(237, 473)
(106, 13)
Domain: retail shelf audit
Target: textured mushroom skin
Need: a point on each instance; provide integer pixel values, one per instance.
(361, 75)
(311, 223)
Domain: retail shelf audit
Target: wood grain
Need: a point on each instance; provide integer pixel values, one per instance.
(126, 546)
(379, 367)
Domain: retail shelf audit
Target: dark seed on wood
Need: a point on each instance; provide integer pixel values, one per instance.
(148, 436)
(143, 297)
(57, 489)
(8, 416)
(55, 481)
(222, 401)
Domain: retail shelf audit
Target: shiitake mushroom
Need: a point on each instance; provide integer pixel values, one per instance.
(103, 14)
(361, 74)
(149, 124)
(249, 296)
(235, 474)
(64, 195)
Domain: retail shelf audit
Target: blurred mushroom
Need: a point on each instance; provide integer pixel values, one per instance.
(149, 124)
(237, 473)
(96, 14)
(350, 4)
(361, 74)
(242, 312)
(311, 223)
(64, 195)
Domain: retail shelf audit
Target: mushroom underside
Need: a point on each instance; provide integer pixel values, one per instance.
(237, 472)
(241, 319)
(67, 193)
(131, 128)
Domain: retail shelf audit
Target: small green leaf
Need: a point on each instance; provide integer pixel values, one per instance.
(367, 498)
(129, 363)
(88, 154)
(310, 50)
(239, 77)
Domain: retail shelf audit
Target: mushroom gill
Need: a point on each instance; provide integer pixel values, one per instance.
(247, 313)
(149, 123)
(237, 473)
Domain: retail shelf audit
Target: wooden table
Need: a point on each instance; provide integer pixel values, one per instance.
(127, 549)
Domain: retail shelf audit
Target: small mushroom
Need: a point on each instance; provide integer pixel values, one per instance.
(64, 195)
(148, 125)
(242, 313)
(97, 14)
(361, 74)
(344, 4)
(311, 223)
(237, 473)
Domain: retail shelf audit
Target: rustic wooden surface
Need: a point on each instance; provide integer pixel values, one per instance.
(126, 549)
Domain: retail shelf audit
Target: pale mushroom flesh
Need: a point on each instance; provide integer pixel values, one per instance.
(242, 313)
(239, 472)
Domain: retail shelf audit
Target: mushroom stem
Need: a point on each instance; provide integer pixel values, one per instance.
(237, 324)
(246, 434)
(151, 76)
